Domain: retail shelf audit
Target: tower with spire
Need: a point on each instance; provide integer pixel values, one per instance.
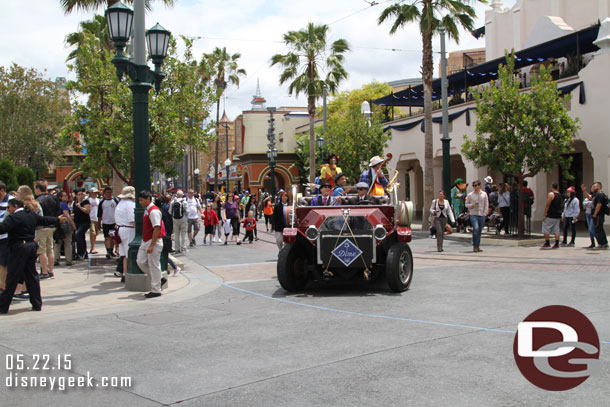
(258, 101)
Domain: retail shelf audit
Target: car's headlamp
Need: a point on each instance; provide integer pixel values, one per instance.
(380, 233)
(312, 232)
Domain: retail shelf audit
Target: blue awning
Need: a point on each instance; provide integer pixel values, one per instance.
(580, 42)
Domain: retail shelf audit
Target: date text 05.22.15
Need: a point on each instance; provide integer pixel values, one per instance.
(39, 361)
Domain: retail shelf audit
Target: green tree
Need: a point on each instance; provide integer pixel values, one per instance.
(227, 71)
(431, 15)
(309, 55)
(521, 134)
(340, 103)
(69, 6)
(355, 140)
(32, 113)
(104, 122)
(349, 134)
(352, 138)
(25, 176)
(7, 174)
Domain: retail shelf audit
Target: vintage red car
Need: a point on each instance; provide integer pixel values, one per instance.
(347, 242)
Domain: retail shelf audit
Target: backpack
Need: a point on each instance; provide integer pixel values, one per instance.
(606, 207)
(177, 210)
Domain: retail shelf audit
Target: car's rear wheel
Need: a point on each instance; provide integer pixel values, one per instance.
(399, 267)
(291, 268)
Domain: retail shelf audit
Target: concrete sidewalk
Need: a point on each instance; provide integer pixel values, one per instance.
(90, 288)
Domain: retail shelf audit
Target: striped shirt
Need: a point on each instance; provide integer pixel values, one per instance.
(3, 211)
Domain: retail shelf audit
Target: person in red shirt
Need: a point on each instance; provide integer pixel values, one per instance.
(210, 219)
(250, 225)
(149, 253)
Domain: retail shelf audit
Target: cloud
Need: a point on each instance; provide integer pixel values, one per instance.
(253, 28)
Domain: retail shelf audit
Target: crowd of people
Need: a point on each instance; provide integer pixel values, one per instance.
(67, 224)
(497, 206)
(58, 222)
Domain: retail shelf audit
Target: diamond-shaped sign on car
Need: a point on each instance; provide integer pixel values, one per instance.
(347, 252)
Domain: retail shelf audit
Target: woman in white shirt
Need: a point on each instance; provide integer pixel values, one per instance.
(441, 210)
(571, 210)
(125, 222)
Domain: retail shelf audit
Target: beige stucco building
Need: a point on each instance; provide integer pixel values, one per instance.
(252, 144)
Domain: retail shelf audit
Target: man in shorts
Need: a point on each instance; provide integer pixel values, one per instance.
(193, 215)
(44, 235)
(552, 217)
(105, 215)
(94, 230)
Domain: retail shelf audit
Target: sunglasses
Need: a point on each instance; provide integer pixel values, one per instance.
(475, 185)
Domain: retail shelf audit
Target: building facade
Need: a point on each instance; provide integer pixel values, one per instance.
(529, 26)
(252, 144)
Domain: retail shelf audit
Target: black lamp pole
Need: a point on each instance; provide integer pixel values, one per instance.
(119, 18)
(445, 139)
(272, 151)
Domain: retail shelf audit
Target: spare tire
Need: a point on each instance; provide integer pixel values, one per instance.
(404, 213)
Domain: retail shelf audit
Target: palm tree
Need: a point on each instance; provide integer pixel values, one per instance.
(308, 56)
(431, 15)
(226, 68)
(96, 27)
(89, 5)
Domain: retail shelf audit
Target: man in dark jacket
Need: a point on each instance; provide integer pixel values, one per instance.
(50, 207)
(21, 227)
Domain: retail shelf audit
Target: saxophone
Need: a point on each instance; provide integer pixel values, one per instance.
(393, 184)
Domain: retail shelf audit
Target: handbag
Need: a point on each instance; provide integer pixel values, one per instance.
(59, 234)
(115, 234)
(431, 217)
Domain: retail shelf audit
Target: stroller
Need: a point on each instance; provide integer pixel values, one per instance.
(494, 220)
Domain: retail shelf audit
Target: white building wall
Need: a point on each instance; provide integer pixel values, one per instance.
(408, 146)
(507, 28)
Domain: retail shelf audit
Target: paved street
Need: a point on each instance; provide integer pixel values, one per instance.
(230, 336)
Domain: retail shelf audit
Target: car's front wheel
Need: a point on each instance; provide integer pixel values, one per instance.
(399, 267)
(291, 268)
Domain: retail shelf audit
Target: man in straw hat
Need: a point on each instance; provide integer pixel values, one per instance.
(488, 183)
(374, 176)
(126, 224)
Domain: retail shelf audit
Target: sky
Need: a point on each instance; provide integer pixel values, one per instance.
(35, 32)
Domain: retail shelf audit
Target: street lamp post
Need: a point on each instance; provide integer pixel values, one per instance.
(365, 109)
(196, 172)
(226, 126)
(120, 18)
(272, 151)
(445, 139)
(228, 170)
(272, 157)
(321, 145)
